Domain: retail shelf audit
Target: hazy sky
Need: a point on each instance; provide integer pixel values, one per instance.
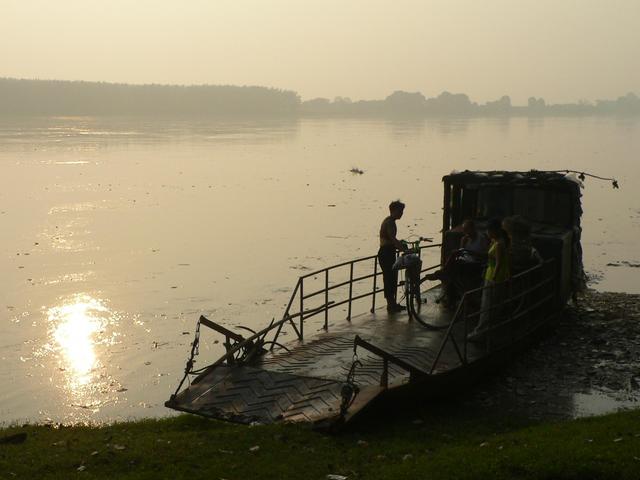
(563, 50)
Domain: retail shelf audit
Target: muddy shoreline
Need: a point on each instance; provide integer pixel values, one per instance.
(588, 365)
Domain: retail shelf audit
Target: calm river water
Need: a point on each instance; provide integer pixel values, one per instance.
(117, 234)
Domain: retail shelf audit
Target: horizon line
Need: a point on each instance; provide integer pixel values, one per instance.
(192, 85)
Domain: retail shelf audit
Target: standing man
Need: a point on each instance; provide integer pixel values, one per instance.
(387, 254)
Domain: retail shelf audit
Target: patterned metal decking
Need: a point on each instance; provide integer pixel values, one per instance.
(329, 355)
(246, 394)
(304, 384)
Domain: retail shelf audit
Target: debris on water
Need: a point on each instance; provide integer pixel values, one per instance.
(356, 171)
(299, 267)
(255, 448)
(406, 457)
(333, 476)
(94, 453)
(118, 447)
(624, 263)
(81, 468)
(331, 205)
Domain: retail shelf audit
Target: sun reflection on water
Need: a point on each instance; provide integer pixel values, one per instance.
(79, 326)
(76, 326)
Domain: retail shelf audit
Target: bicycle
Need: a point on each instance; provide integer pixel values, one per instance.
(411, 262)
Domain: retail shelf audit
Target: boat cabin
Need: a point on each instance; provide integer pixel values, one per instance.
(548, 201)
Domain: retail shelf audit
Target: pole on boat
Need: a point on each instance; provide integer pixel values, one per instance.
(446, 208)
(301, 307)
(466, 325)
(326, 299)
(375, 286)
(350, 289)
(384, 379)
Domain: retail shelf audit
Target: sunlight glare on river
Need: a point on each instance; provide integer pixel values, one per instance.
(77, 326)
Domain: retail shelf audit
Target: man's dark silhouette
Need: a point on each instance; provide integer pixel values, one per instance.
(387, 254)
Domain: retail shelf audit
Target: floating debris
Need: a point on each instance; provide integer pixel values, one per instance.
(624, 263)
(356, 171)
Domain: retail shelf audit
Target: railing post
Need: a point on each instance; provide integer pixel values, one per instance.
(492, 313)
(375, 283)
(326, 299)
(384, 379)
(466, 325)
(301, 308)
(350, 289)
(512, 289)
(227, 347)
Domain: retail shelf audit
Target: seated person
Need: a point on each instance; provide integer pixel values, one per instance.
(473, 243)
(463, 268)
(521, 251)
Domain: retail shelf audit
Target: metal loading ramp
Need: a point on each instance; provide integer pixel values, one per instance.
(245, 394)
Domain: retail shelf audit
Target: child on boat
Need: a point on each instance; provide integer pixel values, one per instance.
(498, 270)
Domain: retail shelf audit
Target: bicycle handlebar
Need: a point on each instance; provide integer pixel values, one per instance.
(415, 243)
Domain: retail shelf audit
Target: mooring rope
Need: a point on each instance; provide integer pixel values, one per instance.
(583, 175)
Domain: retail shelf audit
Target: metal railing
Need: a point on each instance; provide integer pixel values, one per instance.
(523, 294)
(507, 311)
(351, 282)
(296, 319)
(387, 358)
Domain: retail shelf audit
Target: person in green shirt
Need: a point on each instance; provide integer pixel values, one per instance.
(498, 270)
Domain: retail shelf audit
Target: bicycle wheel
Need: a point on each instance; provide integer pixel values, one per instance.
(414, 303)
(415, 300)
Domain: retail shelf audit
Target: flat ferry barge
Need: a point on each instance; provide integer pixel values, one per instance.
(333, 353)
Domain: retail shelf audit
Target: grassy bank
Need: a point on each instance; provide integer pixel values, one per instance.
(431, 445)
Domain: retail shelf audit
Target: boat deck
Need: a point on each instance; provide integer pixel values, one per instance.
(329, 355)
(305, 382)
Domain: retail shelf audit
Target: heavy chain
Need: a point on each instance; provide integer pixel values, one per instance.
(350, 389)
(195, 350)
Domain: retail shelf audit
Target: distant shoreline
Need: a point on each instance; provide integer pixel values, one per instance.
(77, 98)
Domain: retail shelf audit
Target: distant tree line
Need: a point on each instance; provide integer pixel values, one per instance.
(53, 97)
(416, 104)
